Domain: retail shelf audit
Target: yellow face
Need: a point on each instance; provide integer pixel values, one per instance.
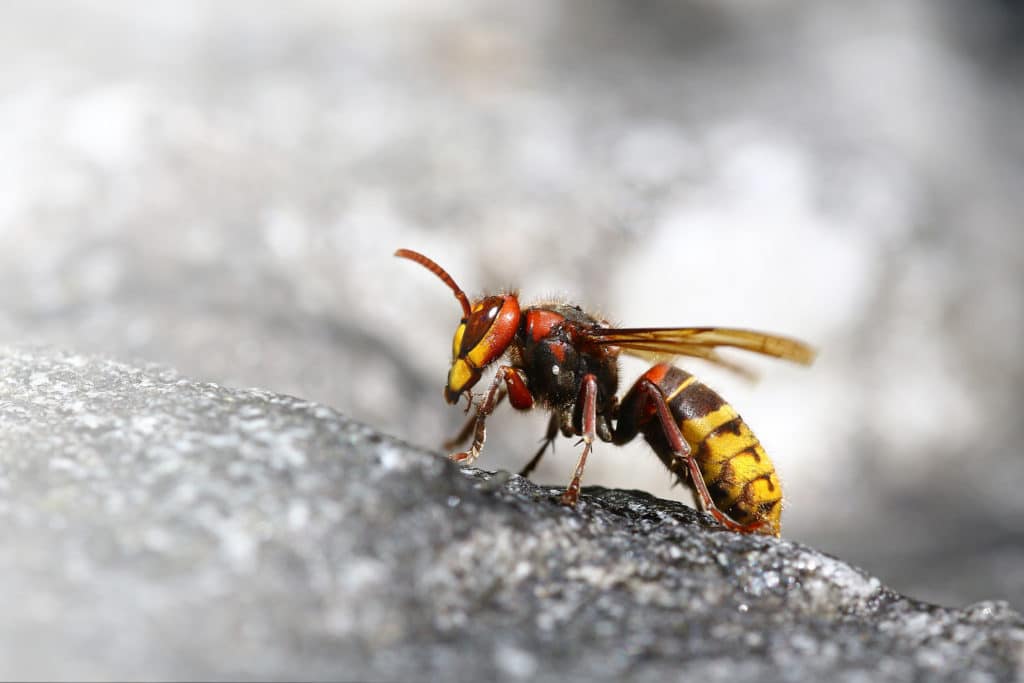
(462, 376)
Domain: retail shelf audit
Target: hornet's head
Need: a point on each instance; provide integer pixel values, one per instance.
(486, 330)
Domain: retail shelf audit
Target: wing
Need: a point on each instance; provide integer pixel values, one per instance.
(656, 343)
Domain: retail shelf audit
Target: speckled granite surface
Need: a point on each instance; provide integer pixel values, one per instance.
(161, 528)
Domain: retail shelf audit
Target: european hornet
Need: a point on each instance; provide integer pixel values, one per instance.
(566, 360)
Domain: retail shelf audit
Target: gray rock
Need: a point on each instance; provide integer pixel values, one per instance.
(157, 527)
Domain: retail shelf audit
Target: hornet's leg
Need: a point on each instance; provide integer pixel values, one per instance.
(588, 401)
(467, 428)
(519, 397)
(635, 410)
(549, 439)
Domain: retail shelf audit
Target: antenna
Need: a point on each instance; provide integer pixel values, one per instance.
(441, 273)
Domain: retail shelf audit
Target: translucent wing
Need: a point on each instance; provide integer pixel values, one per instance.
(657, 343)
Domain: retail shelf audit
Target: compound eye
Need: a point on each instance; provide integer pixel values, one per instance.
(485, 312)
(489, 331)
(457, 339)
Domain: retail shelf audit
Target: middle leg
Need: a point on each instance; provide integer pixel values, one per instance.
(588, 398)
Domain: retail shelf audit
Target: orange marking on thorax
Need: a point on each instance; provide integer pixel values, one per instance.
(540, 322)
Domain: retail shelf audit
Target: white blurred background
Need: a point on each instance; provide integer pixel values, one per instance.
(220, 187)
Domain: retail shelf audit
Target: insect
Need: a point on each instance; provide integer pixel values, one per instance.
(566, 360)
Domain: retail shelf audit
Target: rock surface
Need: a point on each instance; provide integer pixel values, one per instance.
(158, 527)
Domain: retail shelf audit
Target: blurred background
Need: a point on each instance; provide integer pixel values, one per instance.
(220, 186)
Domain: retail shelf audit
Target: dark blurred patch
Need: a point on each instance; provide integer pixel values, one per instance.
(991, 32)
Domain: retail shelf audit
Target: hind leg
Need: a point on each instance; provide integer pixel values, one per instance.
(549, 440)
(645, 404)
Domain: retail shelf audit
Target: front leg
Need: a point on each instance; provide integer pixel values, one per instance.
(470, 424)
(519, 397)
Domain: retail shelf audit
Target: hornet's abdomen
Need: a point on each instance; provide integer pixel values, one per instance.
(739, 474)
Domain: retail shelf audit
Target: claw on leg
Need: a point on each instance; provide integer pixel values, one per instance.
(572, 492)
(709, 505)
(466, 458)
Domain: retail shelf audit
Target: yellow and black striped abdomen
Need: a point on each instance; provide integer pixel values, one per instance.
(739, 474)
